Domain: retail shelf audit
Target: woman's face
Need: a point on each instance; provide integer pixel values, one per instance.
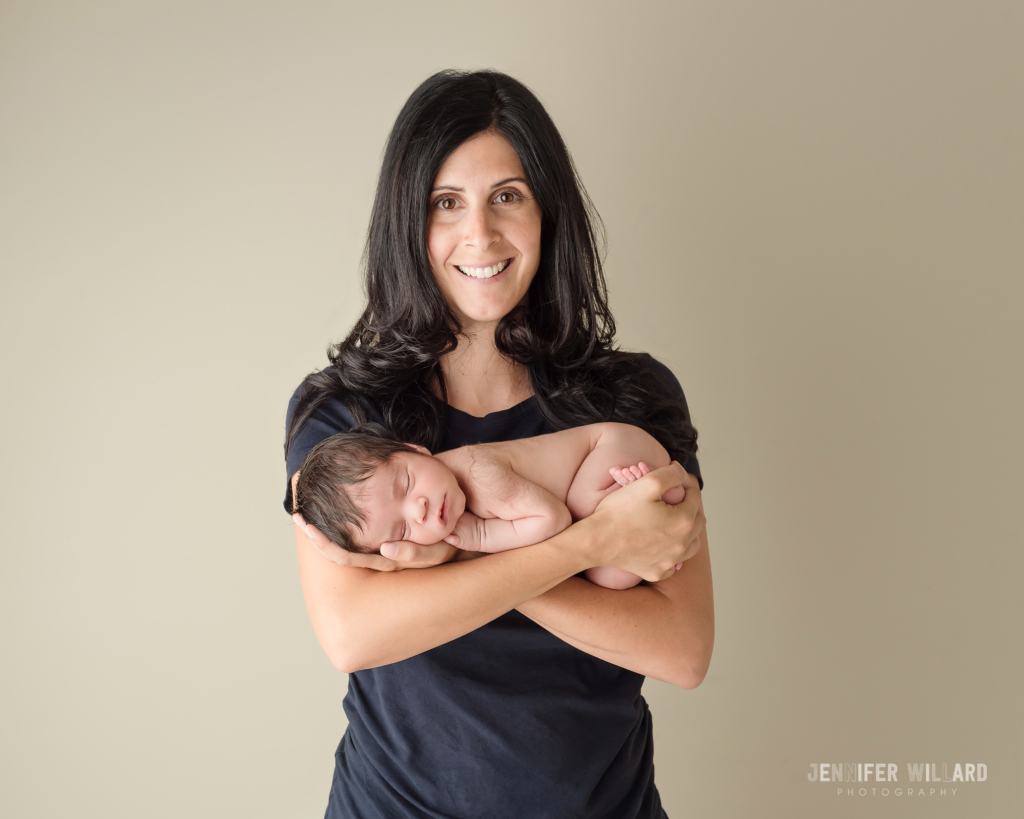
(483, 231)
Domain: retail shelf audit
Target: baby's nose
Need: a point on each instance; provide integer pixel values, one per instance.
(421, 511)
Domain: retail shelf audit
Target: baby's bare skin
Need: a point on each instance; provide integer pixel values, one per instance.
(523, 492)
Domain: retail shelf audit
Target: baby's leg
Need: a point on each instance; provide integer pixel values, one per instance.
(603, 471)
(619, 446)
(610, 578)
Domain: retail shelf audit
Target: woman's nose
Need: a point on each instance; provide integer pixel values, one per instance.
(480, 230)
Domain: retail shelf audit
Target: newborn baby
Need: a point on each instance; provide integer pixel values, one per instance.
(362, 491)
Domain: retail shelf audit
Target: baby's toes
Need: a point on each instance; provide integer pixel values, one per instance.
(644, 468)
(618, 476)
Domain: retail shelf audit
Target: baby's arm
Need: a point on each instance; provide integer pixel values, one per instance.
(517, 513)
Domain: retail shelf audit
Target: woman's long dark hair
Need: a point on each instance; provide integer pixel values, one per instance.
(565, 334)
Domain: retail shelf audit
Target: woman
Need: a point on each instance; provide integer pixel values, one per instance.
(503, 686)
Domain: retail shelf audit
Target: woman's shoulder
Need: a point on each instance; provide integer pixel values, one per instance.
(647, 371)
(322, 412)
(326, 406)
(664, 375)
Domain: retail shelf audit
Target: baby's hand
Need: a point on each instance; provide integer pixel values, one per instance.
(467, 534)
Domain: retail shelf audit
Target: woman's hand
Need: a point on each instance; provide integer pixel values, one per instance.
(401, 555)
(636, 531)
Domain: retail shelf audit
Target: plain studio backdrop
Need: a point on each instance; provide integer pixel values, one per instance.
(814, 216)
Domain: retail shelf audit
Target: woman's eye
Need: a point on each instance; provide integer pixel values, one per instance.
(507, 197)
(447, 203)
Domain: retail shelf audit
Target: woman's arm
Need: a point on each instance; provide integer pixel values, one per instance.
(665, 630)
(365, 619)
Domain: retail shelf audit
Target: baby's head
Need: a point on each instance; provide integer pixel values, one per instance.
(362, 491)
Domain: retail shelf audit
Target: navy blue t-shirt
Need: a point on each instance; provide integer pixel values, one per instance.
(506, 722)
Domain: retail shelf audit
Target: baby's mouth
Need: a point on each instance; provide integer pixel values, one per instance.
(444, 511)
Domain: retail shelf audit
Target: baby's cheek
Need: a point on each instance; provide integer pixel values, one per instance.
(425, 537)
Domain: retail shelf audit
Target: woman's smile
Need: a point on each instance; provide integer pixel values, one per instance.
(485, 272)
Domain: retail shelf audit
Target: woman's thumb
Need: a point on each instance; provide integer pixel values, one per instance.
(659, 481)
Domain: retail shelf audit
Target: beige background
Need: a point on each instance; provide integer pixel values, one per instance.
(814, 215)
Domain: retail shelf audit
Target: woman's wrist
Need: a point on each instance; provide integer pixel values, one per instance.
(588, 541)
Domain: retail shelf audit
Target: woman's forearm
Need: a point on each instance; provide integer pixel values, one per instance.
(364, 619)
(665, 630)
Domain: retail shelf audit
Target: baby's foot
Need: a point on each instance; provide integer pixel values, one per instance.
(625, 475)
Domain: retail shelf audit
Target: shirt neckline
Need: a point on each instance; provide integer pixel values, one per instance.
(497, 416)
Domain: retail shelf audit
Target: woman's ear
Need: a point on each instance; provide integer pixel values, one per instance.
(417, 448)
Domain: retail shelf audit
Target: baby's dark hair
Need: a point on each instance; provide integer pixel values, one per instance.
(321, 495)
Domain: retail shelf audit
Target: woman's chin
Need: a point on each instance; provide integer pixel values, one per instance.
(480, 314)
(478, 321)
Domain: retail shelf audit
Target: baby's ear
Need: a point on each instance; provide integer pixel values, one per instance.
(417, 448)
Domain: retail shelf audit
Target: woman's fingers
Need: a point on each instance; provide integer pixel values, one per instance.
(693, 543)
(399, 555)
(342, 557)
(334, 553)
(658, 481)
(407, 555)
(644, 535)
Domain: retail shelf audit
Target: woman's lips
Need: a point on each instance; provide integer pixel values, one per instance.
(508, 264)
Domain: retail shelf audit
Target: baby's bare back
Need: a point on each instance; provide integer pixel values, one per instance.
(560, 463)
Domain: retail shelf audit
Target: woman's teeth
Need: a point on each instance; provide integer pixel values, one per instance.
(485, 272)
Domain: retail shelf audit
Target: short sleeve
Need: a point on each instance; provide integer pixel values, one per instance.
(330, 418)
(674, 388)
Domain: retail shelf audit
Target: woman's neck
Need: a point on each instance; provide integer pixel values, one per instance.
(480, 380)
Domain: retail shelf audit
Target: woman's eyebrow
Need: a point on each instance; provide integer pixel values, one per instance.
(495, 185)
(510, 179)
